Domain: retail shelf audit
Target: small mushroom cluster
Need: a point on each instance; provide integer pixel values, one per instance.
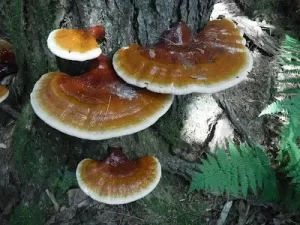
(97, 104)
(8, 67)
(131, 93)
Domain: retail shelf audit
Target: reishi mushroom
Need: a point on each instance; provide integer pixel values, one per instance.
(76, 50)
(3, 93)
(75, 44)
(118, 180)
(96, 105)
(182, 63)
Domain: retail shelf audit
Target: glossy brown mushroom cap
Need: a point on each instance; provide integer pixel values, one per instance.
(96, 105)
(3, 93)
(73, 44)
(118, 180)
(182, 63)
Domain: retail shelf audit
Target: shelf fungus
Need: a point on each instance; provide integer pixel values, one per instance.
(182, 63)
(96, 105)
(74, 44)
(118, 180)
(3, 93)
(76, 49)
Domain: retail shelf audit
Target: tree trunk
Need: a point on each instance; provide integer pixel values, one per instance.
(126, 22)
(46, 158)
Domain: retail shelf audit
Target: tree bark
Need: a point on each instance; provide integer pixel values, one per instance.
(126, 22)
(46, 158)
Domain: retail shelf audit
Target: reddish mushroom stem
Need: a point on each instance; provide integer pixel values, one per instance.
(179, 34)
(120, 164)
(116, 156)
(97, 31)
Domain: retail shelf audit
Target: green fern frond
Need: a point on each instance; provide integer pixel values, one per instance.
(289, 154)
(288, 62)
(238, 172)
(286, 106)
(290, 106)
(290, 43)
(289, 72)
(291, 80)
(289, 91)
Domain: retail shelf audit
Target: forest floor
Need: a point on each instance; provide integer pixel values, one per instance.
(216, 210)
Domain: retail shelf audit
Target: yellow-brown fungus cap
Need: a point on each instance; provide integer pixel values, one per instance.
(118, 180)
(73, 44)
(96, 105)
(182, 63)
(3, 93)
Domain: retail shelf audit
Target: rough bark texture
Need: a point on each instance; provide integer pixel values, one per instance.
(195, 124)
(125, 22)
(46, 158)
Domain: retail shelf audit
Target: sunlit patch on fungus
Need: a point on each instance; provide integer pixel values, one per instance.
(182, 63)
(118, 180)
(96, 105)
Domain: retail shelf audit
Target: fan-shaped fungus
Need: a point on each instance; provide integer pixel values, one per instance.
(181, 63)
(96, 105)
(118, 180)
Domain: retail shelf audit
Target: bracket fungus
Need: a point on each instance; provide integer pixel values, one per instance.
(76, 50)
(96, 105)
(182, 63)
(75, 44)
(3, 93)
(118, 180)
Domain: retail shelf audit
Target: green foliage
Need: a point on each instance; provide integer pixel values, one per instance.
(237, 172)
(245, 169)
(27, 215)
(64, 183)
(287, 106)
(289, 155)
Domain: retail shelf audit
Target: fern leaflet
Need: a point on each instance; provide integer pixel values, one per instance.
(236, 173)
(289, 154)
